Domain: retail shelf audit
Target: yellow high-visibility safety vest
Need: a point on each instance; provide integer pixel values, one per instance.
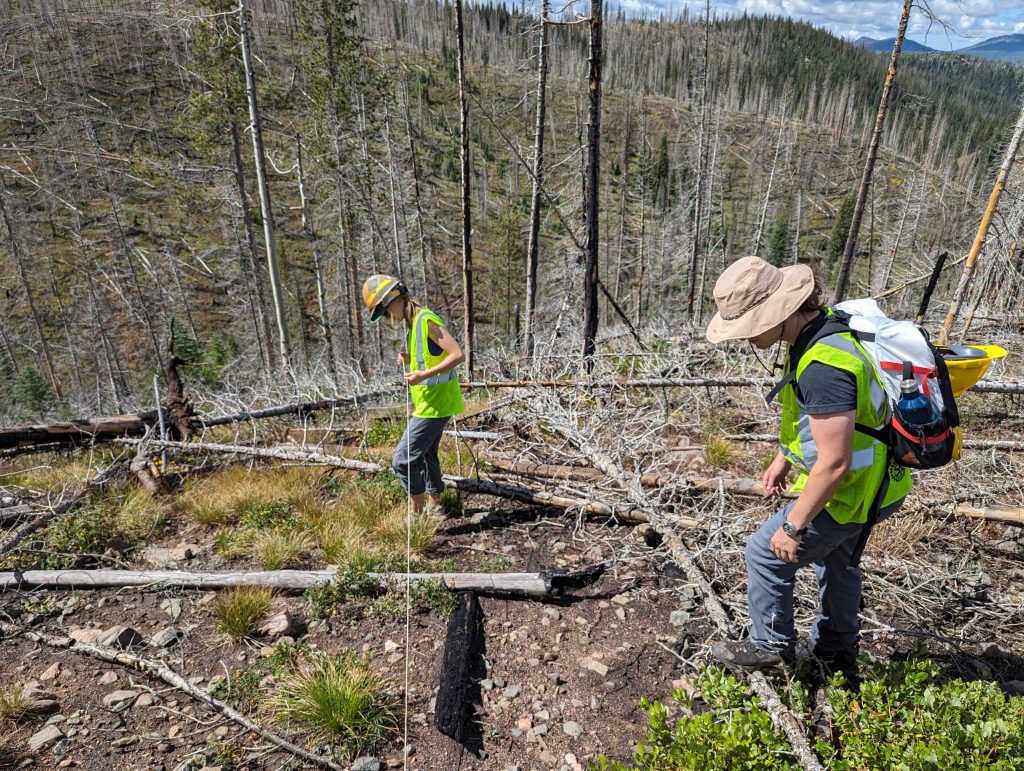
(857, 489)
(439, 396)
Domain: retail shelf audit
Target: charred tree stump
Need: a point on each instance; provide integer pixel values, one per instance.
(179, 414)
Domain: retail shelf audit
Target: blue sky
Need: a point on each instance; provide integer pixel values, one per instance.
(970, 21)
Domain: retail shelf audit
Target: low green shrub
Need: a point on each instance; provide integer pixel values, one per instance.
(237, 612)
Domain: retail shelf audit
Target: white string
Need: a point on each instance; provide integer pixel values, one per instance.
(408, 560)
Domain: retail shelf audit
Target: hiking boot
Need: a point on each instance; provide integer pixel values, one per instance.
(746, 654)
(843, 662)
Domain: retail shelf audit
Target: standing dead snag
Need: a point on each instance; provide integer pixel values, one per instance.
(869, 163)
(179, 412)
(986, 220)
(467, 211)
(593, 180)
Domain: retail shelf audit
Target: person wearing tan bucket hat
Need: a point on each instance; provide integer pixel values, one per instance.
(828, 390)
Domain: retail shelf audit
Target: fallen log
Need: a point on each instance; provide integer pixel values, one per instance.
(992, 513)
(173, 679)
(104, 429)
(690, 382)
(15, 513)
(463, 646)
(536, 585)
(466, 484)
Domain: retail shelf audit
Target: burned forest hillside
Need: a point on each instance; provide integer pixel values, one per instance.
(207, 558)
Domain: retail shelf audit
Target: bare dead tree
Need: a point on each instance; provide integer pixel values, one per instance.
(467, 243)
(256, 129)
(593, 177)
(532, 245)
(986, 219)
(698, 203)
(869, 163)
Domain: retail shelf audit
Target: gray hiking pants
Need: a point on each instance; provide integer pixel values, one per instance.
(415, 460)
(827, 546)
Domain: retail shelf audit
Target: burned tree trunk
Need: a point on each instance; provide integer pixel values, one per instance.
(462, 651)
(593, 177)
(467, 243)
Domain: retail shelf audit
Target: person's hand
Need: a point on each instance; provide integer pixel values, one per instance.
(784, 546)
(402, 359)
(774, 478)
(415, 378)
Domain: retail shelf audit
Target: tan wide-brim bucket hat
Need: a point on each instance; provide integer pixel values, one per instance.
(753, 296)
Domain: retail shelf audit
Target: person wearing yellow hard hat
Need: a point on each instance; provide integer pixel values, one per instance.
(431, 357)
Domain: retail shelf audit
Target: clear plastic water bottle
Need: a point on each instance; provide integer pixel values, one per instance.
(914, 407)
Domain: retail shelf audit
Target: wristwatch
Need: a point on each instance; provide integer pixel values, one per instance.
(791, 531)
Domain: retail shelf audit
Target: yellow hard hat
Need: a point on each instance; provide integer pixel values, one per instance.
(968, 363)
(379, 291)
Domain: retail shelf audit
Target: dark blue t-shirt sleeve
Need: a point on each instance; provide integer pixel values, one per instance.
(823, 389)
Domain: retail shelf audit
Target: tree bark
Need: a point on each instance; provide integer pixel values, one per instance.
(691, 278)
(869, 163)
(593, 180)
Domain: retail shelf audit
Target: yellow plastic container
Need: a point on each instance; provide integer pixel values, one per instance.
(968, 363)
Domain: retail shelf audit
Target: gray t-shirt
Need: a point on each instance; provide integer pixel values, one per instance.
(823, 389)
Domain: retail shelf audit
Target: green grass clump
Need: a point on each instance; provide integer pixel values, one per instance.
(339, 701)
(13, 703)
(279, 549)
(384, 432)
(432, 594)
(719, 453)
(237, 612)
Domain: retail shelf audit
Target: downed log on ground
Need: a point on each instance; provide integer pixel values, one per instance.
(466, 484)
(543, 584)
(173, 679)
(969, 444)
(463, 646)
(690, 382)
(104, 429)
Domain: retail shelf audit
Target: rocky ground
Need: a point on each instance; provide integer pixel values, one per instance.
(563, 678)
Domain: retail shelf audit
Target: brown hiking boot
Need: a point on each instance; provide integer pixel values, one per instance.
(747, 654)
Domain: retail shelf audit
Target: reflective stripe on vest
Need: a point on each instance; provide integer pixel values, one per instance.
(857, 488)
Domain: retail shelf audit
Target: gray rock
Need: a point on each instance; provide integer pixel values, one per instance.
(486, 684)
(120, 700)
(158, 557)
(679, 618)
(108, 678)
(122, 637)
(598, 667)
(145, 700)
(510, 692)
(185, 551)
(87, 636)
(280, 624)
(574, 730)
(172, 607)
(165, 638)
(42, 707)
(45, 738)
(366, 763)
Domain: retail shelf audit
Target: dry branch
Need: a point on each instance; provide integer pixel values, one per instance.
(969, 444)
(536, 585)
(61, 509)
(690, 382)
(173, 679)
(780, 715)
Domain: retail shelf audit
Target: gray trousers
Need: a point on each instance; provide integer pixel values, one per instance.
(827, 546)
(415, 460)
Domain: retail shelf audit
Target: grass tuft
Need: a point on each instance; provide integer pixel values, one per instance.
(719, 453)
(277, 549)
(13, 703)
(237, 612)
(338, 701)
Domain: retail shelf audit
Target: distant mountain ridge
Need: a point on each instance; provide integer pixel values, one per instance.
(1004, 48)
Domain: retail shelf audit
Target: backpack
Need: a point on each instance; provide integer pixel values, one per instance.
(898, 350)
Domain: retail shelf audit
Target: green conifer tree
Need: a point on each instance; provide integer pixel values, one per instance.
(837, 241)
(31, 392)
(778, 240)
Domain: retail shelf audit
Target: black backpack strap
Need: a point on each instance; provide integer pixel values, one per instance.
(820, 329)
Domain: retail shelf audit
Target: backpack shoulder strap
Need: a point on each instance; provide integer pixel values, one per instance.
(828, 325)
